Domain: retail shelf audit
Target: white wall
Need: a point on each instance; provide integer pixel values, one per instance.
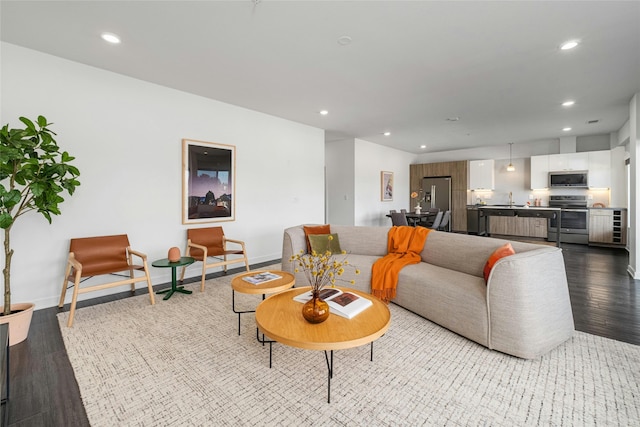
(633, 238)
(370, 160)
(126, 137)
(624, 133)
(618, 179)
(340, 182)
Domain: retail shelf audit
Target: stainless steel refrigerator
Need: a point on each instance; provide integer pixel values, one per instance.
(437, 193)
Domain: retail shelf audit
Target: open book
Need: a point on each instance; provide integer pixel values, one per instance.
(260, 278)
(345, 304)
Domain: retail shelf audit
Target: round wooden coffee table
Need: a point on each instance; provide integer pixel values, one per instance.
(335, 333)
(238, 284)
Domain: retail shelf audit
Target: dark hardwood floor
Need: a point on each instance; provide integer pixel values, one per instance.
(44, 391)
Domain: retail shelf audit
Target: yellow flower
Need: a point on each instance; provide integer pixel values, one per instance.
(321, 269)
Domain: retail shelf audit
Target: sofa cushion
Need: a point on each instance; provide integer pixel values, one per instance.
(501, 252)
(449, 298)
(464, 252)
(321, 243)
(363, 263)
(315, 229)
(362, 240)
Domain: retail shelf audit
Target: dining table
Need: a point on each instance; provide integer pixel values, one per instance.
(416, 218)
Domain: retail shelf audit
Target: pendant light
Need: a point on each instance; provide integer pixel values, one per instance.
(510, 168)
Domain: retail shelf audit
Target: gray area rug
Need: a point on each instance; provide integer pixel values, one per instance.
(182, 363)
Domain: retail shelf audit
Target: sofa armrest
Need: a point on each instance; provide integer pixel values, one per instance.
(528, 303)
(293, 243)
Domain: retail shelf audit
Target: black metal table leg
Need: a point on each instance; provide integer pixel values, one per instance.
(233, 307)
(330, 374)
(262, 340)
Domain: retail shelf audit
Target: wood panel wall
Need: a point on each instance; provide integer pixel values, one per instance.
(458, 173)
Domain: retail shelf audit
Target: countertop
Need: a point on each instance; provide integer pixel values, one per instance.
(517, 207)
(607, 208)
(538, 207)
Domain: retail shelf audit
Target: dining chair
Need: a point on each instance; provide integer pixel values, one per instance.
(444, 224)
(436, 221)
(210, 244)
(398, 218)
(428, 220)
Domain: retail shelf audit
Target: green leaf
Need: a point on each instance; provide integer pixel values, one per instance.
(5, 220)
(10, 199)
(47, 215)
(38, 188)
(66, 157)
(42, 122)
(74, 171)
(28, 123)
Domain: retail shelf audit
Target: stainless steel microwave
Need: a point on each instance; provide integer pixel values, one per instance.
(572, 179)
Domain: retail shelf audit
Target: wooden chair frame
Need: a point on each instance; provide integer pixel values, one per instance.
(220, 259)
(92, 267)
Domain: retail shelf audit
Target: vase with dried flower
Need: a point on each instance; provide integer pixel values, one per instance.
(320, 270)
(417, 196)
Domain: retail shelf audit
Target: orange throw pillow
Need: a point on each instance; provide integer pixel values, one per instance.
(315, 229)
(501, 252)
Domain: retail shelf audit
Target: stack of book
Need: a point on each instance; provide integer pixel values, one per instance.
(345, 304)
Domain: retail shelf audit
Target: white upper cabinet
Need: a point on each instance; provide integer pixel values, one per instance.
(539, 172)
(568, 162)
(599, 169)
(597, 163)
(481, 175)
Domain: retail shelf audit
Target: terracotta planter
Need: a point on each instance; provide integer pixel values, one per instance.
(19, 322)
(174, 254)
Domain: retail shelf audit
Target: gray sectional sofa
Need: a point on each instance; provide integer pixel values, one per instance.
(523, 309)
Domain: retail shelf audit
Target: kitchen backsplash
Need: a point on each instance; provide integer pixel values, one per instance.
(518, 182)
(521, 197)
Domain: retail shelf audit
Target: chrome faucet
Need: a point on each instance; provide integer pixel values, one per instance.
(510, 199)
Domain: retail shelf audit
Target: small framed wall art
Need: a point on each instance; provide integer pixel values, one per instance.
(386, 186)
(208, 182)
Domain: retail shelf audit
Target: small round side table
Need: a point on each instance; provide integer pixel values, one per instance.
(163, 263)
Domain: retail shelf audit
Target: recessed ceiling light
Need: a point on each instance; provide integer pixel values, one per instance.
(567, 129)
(452, 119)
(387, 133)
(324, 112)
(344, 40)
(569, 45)
(423, 146)
(568, 103)
(110, 37)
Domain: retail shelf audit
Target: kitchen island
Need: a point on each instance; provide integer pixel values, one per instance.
(526, 212)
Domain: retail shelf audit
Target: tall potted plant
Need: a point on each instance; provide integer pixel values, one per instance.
(33, 175)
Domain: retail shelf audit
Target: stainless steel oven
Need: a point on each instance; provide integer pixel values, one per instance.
(574, 219)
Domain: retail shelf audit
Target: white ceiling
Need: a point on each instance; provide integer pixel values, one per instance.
(410, 65)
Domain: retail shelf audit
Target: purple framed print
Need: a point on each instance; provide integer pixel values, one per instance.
(208, 182)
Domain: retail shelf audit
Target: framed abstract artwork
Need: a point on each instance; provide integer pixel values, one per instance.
(208, 182)
(386, 186)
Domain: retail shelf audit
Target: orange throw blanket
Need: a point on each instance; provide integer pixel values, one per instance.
(403, 248)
